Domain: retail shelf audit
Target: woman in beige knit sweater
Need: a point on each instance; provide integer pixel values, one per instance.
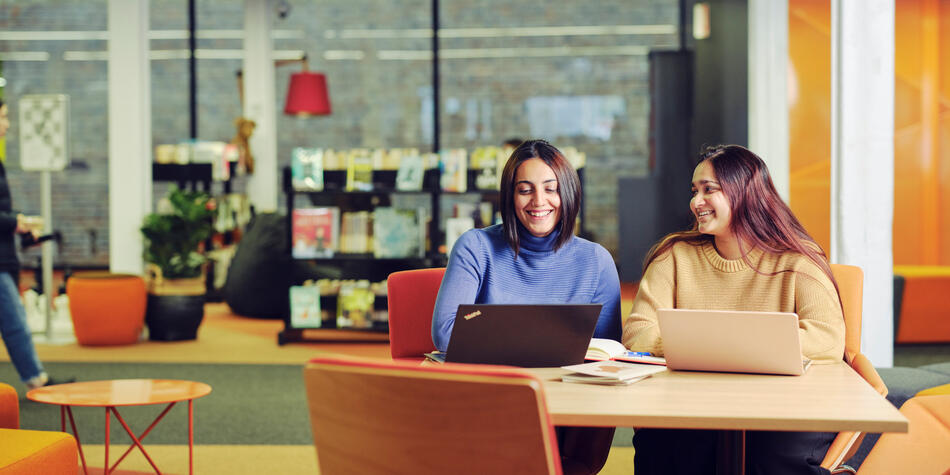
(746, 251)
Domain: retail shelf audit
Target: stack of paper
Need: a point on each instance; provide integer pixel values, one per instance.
(609, 372)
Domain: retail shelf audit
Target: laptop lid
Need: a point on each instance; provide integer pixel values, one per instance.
(732, 341)
(533, 336)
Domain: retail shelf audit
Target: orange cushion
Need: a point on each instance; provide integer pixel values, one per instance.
(935, 391)
(34, 452)
(925, 309)
(923, 449)
(107, 309)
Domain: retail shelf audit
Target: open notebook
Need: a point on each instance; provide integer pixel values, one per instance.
(732, 341)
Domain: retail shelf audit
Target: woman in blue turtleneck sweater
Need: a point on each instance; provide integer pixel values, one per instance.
(533, 255)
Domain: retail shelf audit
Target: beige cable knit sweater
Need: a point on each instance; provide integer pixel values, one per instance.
(697, 277)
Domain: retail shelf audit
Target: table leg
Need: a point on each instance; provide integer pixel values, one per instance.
(191, 436)
(105, 468)
(135, 439)
(731, 453)
(145, 433)
(63, 410)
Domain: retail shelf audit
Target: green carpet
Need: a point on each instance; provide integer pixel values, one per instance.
(249, 404)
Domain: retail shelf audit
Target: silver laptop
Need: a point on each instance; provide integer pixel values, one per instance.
(534, 335)
(732, 341)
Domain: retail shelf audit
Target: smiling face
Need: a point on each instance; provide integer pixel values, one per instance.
(536, 199)
(710, 204)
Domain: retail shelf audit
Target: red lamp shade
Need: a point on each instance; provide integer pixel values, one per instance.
(307, 94)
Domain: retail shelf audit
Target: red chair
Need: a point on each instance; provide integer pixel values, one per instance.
(373, 416)
(411, 296)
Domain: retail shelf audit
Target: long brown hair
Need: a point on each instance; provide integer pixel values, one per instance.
(568, 188)
(760, 219)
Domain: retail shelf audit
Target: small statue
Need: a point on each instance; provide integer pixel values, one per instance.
(245, 127)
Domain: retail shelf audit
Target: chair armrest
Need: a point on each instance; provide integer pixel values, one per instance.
(862, 365)
(9, 407)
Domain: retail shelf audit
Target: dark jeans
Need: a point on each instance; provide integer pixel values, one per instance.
(671, 451)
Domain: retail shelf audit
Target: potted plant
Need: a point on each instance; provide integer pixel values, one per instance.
(174, 241)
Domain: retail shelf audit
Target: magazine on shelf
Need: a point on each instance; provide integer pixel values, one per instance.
(410, 173)
(359, 172)
(603, 349)
(315, 232)
(306, 169)
(454, 170)
(355, 306)
(398, 232)
(305, 306)
(609, 372)
(454, 228)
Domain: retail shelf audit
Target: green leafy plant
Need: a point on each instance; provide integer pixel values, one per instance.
(174, 235)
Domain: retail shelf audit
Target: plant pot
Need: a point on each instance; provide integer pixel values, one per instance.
(174, 317)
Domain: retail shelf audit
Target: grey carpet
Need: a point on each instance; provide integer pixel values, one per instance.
(249, 404)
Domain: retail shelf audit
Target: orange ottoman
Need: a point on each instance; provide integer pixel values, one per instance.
(106, 308)
(34, 452)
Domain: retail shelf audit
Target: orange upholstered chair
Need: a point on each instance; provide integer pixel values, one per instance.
(923, 449)
(851, 288)
(374, 416)
(106, 308)
(411, 296)
(25, 452)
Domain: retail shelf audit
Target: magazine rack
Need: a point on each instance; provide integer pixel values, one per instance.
(365, 265)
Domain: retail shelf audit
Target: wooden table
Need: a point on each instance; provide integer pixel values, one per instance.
(123, 392)
(827, 398)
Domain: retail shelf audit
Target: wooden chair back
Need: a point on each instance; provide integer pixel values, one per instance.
(373, 416)
(411, 296)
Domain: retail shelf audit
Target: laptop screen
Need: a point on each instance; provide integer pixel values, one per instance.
(530, 335)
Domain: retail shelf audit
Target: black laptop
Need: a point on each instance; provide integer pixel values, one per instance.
(531, 336)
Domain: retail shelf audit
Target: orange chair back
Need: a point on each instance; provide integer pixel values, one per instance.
(851, 289)
(411, 296)
(9, 407)
(374, 416)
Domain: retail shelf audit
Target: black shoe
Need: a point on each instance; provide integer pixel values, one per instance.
(51, 381)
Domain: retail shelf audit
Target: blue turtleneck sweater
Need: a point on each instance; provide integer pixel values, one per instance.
(482, 269)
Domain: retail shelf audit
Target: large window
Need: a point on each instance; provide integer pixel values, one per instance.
(574, 73)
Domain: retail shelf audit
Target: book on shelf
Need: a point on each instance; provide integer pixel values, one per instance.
(609, 372)
(359, 171)
(486, 160)
(305, 306)
(410, 173)
(356, 236)
(453, 163)
(315, 232)
(604, 349)
(355, 306)
(306, 169)
(399, 232)
(454, 228)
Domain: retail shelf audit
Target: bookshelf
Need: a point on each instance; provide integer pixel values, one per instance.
(364, 265)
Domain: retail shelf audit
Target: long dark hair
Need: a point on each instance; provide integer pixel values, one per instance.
(568, 187)
(760, 218)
